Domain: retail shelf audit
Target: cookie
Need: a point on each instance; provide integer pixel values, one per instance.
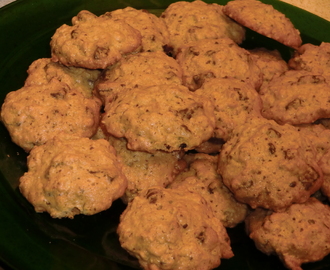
(313, 58)
(173, 229)
(153, 30)
(270, 63)
(216, 58)
(68, 176)
(270, 165)
(235, 101)
(296, 97)
(144, 170)
(136, 71)
(197, 20)
(43, 70)
(265, 20)
(301, 234)
(34, 114)
(162, 117)
(93, 42)
(201, 177)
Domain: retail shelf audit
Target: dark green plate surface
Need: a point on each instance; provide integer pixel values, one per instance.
(35, 241)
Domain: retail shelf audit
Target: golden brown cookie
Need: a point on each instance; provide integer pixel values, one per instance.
(68, 176)
(300, 234)
(161, 117)
(235, 101)
(37, 113)
(154, 33)
(138, 70)
(144, 170)
(324, 164)
(43, 70)
(318, 135)
(270, 165)
(173, 229)
(265, 20)
(270, 62)
(296, 97)
(314, 58)
(93, 42)
(197, 20)
(201, 177)
(216, 58)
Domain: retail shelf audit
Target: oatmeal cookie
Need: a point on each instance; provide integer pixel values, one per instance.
(68, 176)
(93, 42)
(161, 117)
(36, 113)
(270, 165)
(296, 97)
(270, 62)
(154, 33)
(197, 20)
(300, 234)
(324, 164)
(265, 20)
(173, 229)
(235, 101)
(216, 58)
(313, 58)
(138, 70)
(43, 70)
(201, 177)
(144, 170)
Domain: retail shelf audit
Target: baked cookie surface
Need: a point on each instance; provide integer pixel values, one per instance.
(235, 101)
(265, 20)
(299, 235)
(36, 113)
(216, 58)
(173, 229)
(270, 62)
(68, 176)
(313, 58)
(197, 20)
(144, 170)
(270, 165)
(154, 33)
(162, 117)
(43, 70)
(138, 70)
(93, 42)
(296, 97)
(201, 177)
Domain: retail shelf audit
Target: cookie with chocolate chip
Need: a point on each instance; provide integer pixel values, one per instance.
(153, 30)
(296, 97)
(265, 20)
(216, 58)
(68, 176)
(93, 42)
(201, 177)
(36, 113)
(165, 117)
(197, 20)
(173, 229)
(270, 165)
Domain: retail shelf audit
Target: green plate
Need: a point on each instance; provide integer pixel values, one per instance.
(36, 241)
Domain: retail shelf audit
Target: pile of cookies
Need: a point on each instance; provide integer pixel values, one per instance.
(194, 132)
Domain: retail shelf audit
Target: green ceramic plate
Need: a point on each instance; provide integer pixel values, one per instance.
(35, 241)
